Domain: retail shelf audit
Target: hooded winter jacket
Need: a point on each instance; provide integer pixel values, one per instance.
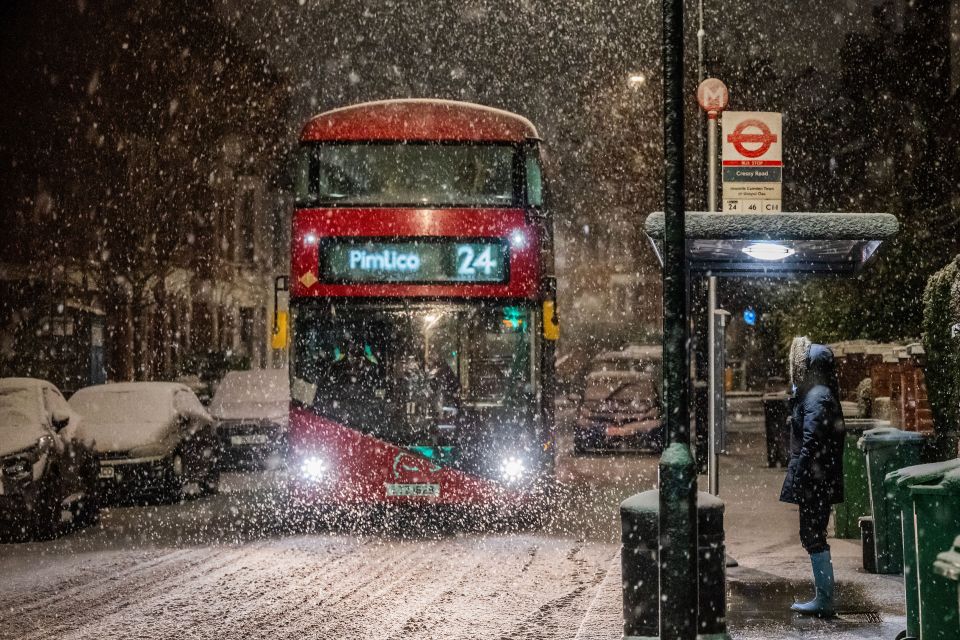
(815, 470)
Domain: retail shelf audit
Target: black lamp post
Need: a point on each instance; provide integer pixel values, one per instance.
(678, 479)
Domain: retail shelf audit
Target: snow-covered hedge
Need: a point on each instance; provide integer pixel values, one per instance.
(941, 311)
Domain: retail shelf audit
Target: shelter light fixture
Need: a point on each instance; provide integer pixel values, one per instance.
(768, 251)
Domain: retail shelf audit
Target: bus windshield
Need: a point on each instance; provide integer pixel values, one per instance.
(410, 174)
(403, 374)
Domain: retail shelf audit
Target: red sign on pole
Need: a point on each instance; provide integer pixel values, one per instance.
(713, 96)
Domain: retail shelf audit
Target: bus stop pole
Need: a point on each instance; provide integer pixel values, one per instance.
(677, 544)
(712, 95)
(713, 458)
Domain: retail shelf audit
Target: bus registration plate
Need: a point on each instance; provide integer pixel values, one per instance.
(414, 490)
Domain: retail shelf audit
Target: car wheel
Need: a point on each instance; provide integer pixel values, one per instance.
(211, 482)
(88, 510)
(175, 478)
(45, 521)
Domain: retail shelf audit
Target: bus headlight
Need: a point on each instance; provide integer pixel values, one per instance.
(513, 469)
(314, 468)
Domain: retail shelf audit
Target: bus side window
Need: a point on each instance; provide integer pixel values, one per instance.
(534, 181)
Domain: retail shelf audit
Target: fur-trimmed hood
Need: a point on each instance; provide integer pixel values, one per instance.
(799, 357)
(812, 364)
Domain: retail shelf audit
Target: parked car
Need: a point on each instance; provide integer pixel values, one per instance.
(251, 413)
(621, 404)
(151, 438)
(48, 476)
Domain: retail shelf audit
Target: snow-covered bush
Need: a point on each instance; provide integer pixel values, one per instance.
(941, 311)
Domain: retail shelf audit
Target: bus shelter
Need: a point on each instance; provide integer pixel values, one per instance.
(731, 245)
(764, 246)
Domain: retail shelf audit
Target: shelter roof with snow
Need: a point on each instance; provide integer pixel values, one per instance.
(778, 244)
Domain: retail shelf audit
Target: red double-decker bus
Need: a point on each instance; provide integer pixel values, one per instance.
(422, 304)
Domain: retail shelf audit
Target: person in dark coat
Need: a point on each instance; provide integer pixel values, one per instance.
(814, 479)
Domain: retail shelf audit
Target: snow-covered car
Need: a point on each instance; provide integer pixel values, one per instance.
(48, 476)
(251, 413)
(151, 438)
(621, 404)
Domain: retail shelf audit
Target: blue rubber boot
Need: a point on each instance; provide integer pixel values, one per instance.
(822, 603)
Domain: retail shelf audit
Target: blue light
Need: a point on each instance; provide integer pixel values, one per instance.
(750, 316)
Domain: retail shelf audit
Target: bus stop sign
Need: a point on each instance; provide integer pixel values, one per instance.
(752, 152)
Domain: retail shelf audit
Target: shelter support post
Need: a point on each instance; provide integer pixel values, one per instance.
(718, 398)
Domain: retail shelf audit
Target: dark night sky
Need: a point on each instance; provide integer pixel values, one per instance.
(546, 59)
(540, 58)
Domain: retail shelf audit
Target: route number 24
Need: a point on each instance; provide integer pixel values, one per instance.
(470, 263)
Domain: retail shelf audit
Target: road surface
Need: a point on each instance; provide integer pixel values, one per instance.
(230, 566)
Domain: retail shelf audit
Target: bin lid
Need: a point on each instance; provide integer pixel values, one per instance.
(922, 473)
(950, 483)
(947, 563)
(640, 514)
(866, 423)
(775, 396)
(887, 436)
(859, 425)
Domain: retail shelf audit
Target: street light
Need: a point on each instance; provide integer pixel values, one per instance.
(636, 80)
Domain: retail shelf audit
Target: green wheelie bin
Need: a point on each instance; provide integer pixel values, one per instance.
(948, 566)
(887, 449)
(936, 518)
(898, 485)
(856, 492)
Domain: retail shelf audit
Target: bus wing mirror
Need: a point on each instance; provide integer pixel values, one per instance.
(280, 338)
(551, 323)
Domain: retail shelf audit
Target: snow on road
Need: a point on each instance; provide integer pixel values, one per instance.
(224, 567)
(227, 567)
(323, 586)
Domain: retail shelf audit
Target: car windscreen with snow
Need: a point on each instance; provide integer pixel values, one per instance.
(638, 388)
(121, 417)
(20, 421)
(259, 394)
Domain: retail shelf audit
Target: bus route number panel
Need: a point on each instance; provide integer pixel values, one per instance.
(360, 260)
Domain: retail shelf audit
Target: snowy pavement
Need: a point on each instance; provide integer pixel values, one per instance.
(227, 567)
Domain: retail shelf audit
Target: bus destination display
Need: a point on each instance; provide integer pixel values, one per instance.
(424, 261)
